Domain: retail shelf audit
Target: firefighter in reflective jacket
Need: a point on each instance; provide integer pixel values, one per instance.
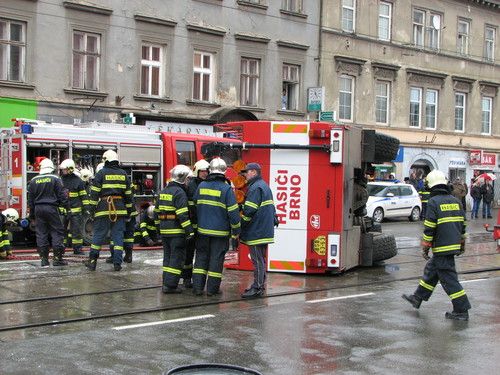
(78, 202)
(148, 227)
(47, 199)
(257, 226)
(175, 226)
(444, 233)
(111, 201)
(7, 217)
(424, 194)
(218, 218)
(200, 174)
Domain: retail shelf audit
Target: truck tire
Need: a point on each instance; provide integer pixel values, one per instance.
(386, 148)
(384, 247)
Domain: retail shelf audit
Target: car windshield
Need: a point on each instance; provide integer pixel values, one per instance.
(376, 190)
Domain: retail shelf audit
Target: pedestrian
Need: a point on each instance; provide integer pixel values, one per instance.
(444, 233)
(7, 217)
(257, 226)
(78, 203)
(47, 199)
(487, 195)
(413, 180)
(424, 199)
(475, 193)
(459, 190)
(175, 226)
(148, 228)
(218, 220)
(200, 174)
(111, 201)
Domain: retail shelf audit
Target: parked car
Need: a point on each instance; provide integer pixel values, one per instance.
(389, 199)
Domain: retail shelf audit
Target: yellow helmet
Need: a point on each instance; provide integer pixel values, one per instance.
(436, 177)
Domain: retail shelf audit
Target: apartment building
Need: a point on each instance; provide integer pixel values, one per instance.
(168, 61)
(426, 72)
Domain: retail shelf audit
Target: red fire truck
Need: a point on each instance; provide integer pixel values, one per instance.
(317, 173)
(147, 153)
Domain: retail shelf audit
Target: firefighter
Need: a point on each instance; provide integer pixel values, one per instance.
(200, 174)
(78, 202)
(257, 226)
(7, 217)
(111, 201)
(424, 194)
(46, 200)
(218, 219)
(175, 226)
(148, 227)
(444, 233)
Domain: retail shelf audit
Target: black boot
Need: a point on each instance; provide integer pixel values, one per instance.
(110, 259)
(91, 263)
(117, 267)
(455, 315)
(167, 290)
(44, 257)
(413, 299)
(128, 256)
(78, 250)
(188, 284)
(58, 258)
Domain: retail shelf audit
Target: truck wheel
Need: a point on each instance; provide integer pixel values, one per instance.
(386, 148)
(415, 214)
(384, 247)
(378, 215)
(88, 230)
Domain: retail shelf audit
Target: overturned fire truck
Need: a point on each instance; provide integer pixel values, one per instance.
(317, 173)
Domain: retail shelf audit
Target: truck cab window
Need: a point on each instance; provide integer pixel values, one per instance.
(186, 153)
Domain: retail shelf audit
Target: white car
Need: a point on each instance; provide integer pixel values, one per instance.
(389, 199)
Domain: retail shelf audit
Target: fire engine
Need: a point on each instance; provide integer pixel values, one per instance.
(147, 153)
(317, 173)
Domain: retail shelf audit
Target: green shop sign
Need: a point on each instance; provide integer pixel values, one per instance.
(16, 108)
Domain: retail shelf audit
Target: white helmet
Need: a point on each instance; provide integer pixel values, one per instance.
(180, 173)
(436, 177)
(67, 164)
(218, 165)
(110, 155)
(85, 174)
(151, 212)
(99, 167)
(46, 166)
(11, 215)
(200, 165)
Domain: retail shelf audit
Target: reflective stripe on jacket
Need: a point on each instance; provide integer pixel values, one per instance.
(4, 236)
(257, 219)
(78, 197)
(172, 211)
(444, 224)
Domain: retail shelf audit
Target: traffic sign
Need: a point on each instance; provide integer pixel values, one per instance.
(327, 116)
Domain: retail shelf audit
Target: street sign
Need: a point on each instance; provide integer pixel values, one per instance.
(327, 116)
(315, 99)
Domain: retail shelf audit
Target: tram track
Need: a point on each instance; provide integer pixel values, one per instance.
(188, 305)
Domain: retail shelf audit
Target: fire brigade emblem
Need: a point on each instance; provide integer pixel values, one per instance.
(315, 222)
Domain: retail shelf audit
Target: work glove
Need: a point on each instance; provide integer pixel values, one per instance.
(150, 242)
(462, 248)
(235, 242)
(425, 252)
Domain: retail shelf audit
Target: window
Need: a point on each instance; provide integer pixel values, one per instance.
(291, 87)
(434, 30)
(151, 70)
(406, 191)
(459, 111)
(202, 76)
(186, 152)
(431, 102)
(249, 82)
(348, 15)
(489, 43)
(463, 37)
(382, 102)
(384, 20)
(292, 5)
(418, 27)
(486, 104)
(12, 50)
(415, 104)
(346, 85)
(86, 60)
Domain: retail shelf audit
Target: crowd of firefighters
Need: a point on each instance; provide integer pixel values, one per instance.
(195, 217)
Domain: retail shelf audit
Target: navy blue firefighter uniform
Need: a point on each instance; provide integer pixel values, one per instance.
(218, 217)
(5, 249)
(78, 202)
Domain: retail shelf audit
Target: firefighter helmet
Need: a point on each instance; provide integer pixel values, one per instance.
(46, 166)
(180, 173)
(99, 167)
(110, 155)
(150, 211)
(85, 174)
(436, 177)
(67, 164)
(218, 165)
(11, 215)
(200, 165)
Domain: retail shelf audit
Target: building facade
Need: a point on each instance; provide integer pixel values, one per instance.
(190, 61)
(426, 72)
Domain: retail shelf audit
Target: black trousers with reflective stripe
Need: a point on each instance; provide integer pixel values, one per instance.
(210, 252)
(48, 222)
(174, 253)
(76, 230)
(442, 268)
(187, 272)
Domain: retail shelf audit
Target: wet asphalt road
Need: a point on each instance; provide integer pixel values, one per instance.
(360, 327)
